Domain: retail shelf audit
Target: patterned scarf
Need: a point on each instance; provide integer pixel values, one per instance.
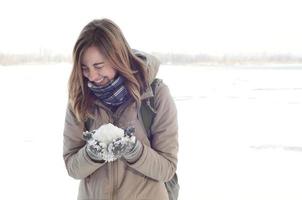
(112, 94)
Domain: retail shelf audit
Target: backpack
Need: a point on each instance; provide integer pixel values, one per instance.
(148, 113)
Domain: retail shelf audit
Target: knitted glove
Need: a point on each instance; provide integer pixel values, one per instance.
(95, 149)
(127, 146)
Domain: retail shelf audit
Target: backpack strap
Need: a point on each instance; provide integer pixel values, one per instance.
(147, 109)
(88, 124)
(148, 113)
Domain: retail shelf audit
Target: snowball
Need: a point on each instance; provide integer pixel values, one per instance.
(107, 133)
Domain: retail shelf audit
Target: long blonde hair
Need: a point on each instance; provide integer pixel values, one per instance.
(109, 39)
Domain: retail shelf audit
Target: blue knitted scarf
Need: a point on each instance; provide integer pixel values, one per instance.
(113, 94)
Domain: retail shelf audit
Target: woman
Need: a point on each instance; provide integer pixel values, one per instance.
(107, 84)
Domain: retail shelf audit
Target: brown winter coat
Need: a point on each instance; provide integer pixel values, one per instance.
(119, 180)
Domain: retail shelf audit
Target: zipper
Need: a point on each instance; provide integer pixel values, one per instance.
(110, 179)
(112, 169)
(114, 178)
(112, 166)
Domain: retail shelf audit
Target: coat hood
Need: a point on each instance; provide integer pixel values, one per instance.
(152, 63)
(153, 66)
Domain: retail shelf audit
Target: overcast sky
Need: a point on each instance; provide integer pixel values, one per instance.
(202, 26)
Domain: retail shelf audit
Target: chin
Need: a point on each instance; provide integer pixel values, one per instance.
(98, 84)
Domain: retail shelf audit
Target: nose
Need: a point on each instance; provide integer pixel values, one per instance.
(93, 75)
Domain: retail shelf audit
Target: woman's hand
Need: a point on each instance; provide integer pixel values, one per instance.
(121, 146)
(96, 150)
(127, 146)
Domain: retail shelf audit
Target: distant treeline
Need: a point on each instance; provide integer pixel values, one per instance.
(18, 59)
(201, 59)
(165, 58)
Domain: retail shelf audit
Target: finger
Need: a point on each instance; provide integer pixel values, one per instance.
(92, 149)
(118, 139)
(96, 149)
(87, 135)
(129, 131)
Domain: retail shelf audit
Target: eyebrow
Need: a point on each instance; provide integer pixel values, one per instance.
(98, 63)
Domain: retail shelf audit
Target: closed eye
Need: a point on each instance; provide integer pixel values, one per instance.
(98, 65)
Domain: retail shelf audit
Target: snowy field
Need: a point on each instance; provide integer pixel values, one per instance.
(240, 132)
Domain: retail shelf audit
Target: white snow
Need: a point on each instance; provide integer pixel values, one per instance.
(107, 133)
(239, 132)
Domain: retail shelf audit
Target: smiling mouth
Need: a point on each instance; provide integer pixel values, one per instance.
(101, 81)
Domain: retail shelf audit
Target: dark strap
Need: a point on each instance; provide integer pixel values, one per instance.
(88, 124)
(147, 109)
(148, 113)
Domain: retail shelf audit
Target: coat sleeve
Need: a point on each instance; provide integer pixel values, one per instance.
(159, 161)
(77, 162)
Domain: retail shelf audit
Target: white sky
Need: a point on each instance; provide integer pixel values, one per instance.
(202, 26)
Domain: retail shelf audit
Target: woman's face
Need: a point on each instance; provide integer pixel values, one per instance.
(96, 68)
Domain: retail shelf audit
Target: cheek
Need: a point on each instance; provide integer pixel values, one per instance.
(112, 73)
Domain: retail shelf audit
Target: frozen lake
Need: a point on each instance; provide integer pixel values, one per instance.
(240, 132)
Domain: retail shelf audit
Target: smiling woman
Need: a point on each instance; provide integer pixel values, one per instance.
(108, 84)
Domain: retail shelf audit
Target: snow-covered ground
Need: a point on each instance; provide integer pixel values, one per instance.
(240, 132)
